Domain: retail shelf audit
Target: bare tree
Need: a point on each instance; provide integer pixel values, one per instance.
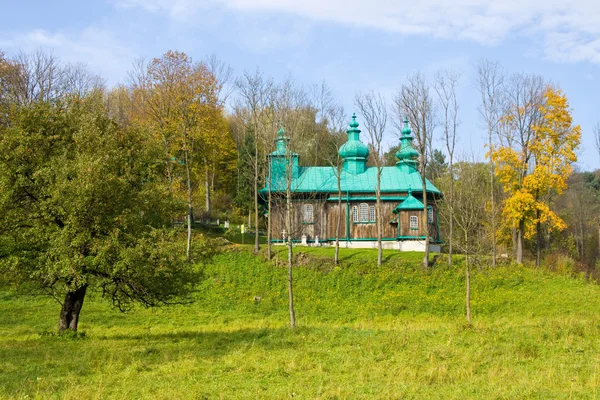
(469, 212)
(490, 84)
(256, 96)
(373, 108)
(292, 110)
(414, 101)
(446, 83)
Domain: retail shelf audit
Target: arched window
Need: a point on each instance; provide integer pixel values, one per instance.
(307, 213)
(414, 222)
(430, 214)
(354, 214)
(372, 213)
(364, 212)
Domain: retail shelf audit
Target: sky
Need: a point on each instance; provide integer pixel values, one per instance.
(352, 45)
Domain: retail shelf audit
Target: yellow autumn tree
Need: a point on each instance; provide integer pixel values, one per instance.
(177, 100)
(538, 168)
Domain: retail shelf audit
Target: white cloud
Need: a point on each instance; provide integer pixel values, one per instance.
(567, 30)
(98, 48)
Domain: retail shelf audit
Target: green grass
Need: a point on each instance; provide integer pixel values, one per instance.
(364, 332)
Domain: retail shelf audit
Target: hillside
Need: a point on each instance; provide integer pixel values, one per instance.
(364, 332)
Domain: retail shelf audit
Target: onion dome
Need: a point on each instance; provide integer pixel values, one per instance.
(407, 154)
(354, 149)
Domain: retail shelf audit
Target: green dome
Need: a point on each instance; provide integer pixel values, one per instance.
(407, 153)
(354, 148)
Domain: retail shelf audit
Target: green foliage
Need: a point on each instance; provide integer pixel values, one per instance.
(365, 332)
(83, 204)
(437, 165)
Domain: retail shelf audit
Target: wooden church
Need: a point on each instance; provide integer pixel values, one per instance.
(316, 203)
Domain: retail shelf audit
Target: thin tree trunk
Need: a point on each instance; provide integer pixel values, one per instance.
(450, 200)
(515, 242)
(599, 236)
(520, 242)
(69, 314)
(290, 258)
(256, 245)
(538, 240)
(269, 228)
(190, 215)
(582, 234)
(468, 294)
(493, 197)
(378, 206)
(207, 188)
(339, 220)
(426, 219)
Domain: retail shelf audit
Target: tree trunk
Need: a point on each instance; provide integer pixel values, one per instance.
(290, 257)
(538, 240)
(450, 202)
(515, 242)
(493, 198)
(207, 188)
(339, 221)
(269, 228)
(69, 314)
(468, 294)
(599, 236)
(256, 245)
(426, 219)
(520, 241)
(190, 215)
(378, 217)
(582, 234)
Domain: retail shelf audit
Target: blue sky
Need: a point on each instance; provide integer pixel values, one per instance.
(352, 45)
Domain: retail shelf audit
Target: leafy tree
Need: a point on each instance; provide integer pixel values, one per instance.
(539, 167)
(179, 104)
(82, 208)
(437, 165)
(389, 157)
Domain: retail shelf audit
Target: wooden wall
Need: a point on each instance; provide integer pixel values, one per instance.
(325, 215)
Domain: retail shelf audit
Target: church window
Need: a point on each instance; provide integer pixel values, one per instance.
(414, 222)
(364, 212)
(307, 215)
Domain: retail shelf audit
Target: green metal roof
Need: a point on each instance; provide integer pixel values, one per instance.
(355, 176)
(323, 179)
(411, 203)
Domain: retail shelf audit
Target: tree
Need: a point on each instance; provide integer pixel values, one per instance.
(373, 108)
(436, 166)
(255, 110)
(446, 82)
(469, 212)
(83, 208)
(540, 165)
(178, 100)
(490, 83)
(414, 101)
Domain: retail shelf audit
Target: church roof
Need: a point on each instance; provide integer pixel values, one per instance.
(410, 203)
(324, 179)
(355, 176)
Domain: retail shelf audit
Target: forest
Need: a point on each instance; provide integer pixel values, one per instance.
(95, 178)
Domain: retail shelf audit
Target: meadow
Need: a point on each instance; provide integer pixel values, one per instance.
(387, 332)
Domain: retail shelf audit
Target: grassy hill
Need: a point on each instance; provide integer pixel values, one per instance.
(364, 332)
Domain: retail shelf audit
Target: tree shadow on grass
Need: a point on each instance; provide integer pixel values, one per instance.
(217, 343)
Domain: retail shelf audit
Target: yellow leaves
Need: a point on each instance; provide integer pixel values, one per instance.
(540, 166)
